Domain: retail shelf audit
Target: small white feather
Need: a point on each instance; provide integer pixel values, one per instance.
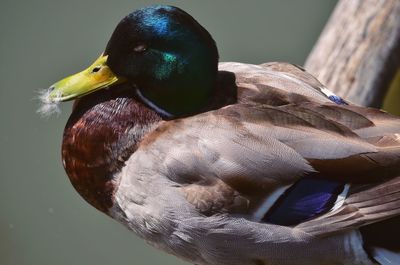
(268, 203)
(341, 198)
(47, 106)
(327, 92)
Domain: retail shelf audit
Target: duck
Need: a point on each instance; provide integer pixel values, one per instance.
(228, 163)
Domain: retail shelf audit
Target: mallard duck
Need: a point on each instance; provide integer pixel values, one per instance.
(228, 163)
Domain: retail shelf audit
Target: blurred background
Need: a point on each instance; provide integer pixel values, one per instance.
(42, 219)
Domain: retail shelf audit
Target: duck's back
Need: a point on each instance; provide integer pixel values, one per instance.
(275, 83)
(289, 87)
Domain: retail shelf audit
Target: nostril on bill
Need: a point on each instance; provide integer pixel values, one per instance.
(51, 88)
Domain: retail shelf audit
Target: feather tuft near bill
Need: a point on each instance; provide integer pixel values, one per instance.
(47, 105)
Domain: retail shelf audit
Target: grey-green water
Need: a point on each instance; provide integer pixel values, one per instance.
(42, 219)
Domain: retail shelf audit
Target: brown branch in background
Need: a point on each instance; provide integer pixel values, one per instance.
(358, 52)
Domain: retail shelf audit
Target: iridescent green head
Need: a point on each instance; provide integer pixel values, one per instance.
(168, 57)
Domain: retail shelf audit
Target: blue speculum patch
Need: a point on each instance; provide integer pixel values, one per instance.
(306, 199)
(338, 100)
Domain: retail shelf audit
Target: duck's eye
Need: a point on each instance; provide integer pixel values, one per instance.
(140, 48)
(96, 69)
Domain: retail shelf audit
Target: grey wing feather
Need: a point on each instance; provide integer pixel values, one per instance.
(283, 128)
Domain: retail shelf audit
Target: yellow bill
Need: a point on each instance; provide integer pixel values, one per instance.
(95, 77)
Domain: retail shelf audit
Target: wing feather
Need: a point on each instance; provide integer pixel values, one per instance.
(282, 128)
(359, 209)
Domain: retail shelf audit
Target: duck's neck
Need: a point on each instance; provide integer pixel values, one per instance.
(103, 130)
(180, 94)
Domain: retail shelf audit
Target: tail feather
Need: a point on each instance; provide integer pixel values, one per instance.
(385, 234)
(385, 257)
(382, 241)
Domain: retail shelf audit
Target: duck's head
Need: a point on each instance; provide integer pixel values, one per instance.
(164, 53)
